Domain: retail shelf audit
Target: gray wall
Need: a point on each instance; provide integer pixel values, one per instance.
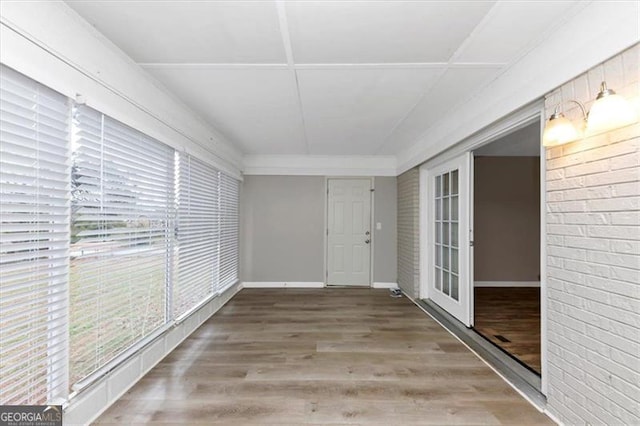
(283, 223)
(408, 232)
(506, 217)
(385, 256)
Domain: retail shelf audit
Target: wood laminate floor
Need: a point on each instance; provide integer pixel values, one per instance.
(513, 314)
(324, 357)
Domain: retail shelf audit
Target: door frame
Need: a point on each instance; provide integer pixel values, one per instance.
(326, 225)
(513, 121)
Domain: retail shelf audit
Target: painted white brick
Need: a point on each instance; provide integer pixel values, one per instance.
(574, 230)
(554, 174)
(625, 274)
(625, 218)
(610, 151)
(625, 161)
(588, 168)
(565, 253)
(631, 247)
(555, 196)
(588, 268)
(614, 232)
(626, 189)
(585, 218)
(631, 64)
(562, 184)
(623, 330)
(588, 193)
(565, 275)
(612, 340)
(586, 144)
(567, 206)
(613, 399)
(613, 71)
(611, 312)
(616, 368)
(554, 152)
(627, 290)
(569, 300)
(622, 358)
(624, 260)
(555, 240)
(615, 287)
(626, 133)
(585, 292)
(617, 176)
(614, 204)
(587, 243)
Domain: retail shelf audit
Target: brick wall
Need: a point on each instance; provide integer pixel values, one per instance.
(408, 232)
(593, 262)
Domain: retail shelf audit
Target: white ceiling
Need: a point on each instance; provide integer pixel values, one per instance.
(324, 77)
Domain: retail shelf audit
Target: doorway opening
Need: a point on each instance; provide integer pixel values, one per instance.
(506, 245)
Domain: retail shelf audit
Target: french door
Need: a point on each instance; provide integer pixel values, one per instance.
(448, 237)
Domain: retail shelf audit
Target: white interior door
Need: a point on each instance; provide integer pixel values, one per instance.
(349, 232)
(449, 236)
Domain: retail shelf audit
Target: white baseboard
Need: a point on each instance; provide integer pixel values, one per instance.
(506, 284)
(283, 284)
(385, 285)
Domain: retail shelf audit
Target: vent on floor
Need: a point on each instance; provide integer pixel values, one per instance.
(501, 338)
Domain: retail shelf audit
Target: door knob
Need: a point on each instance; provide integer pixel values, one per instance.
(366, 233)
(367, 241)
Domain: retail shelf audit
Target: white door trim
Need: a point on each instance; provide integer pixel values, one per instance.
(523, 117)
(326, 225)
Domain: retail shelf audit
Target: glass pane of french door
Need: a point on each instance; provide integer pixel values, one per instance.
(447, 259)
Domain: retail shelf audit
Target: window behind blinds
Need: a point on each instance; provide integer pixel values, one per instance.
(123, 194)
(197, 233)
(229, 201)
(34, 238)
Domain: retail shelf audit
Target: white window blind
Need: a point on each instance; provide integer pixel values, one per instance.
(122, 212)
(229, 231)
(197, 233)
(34, 239)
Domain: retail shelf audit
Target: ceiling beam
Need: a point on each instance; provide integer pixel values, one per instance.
(286, 41)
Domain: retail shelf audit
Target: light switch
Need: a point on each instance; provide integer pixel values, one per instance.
(378, 226)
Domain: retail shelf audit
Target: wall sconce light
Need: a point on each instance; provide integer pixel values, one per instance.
(609, 111)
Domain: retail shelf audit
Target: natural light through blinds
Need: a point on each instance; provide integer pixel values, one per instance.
(34, 241)
(197, 233)
(229, 201)
(123, 194)
(108, 237)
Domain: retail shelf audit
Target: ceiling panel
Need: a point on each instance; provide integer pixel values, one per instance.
(455, 86)
(510, 28)
(189, 31)
(257, 108)
(386, 31)
(350, 111)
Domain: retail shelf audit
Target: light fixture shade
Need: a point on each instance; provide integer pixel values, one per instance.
(610, 111)
(559, 130)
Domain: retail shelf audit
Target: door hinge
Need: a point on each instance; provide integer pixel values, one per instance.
(372, 190)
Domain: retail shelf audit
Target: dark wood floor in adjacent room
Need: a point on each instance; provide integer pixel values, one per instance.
(321, 356)
(514, 314)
